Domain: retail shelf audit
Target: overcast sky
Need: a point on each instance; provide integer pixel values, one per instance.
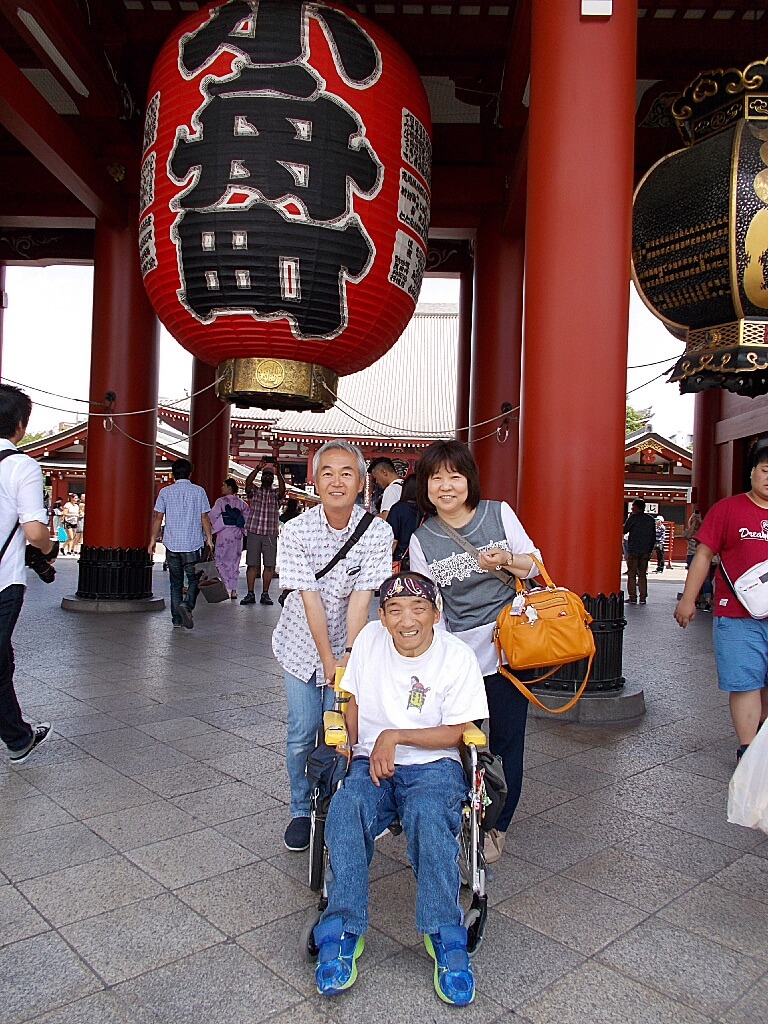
(47, 332)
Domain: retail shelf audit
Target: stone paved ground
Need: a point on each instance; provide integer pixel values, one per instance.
(143, 877)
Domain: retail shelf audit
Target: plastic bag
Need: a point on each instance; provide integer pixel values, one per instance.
(748, 790)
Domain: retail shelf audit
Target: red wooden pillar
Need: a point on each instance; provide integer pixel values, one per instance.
(464, 356)
(704, 476)
(578, 239)
(496, 346)
(209, 420)
(114, 563)
(3, 304)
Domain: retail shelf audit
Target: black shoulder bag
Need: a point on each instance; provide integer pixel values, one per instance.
(359, 530)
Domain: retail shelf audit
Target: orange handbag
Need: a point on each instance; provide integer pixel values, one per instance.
(543, 628)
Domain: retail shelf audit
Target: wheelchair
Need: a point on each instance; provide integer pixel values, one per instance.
(486, 793)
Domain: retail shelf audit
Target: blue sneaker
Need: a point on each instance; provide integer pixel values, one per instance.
(338, 951)
(454, 980)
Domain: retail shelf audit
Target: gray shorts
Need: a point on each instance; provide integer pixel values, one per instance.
(258, 547)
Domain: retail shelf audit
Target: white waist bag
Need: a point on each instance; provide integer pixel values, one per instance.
(751, 589)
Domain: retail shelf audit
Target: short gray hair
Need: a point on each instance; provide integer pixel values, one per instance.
(342, 446)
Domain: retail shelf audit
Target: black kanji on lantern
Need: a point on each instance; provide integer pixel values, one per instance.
(273, 32)
(271, 130)
(277, 146)
(254, 260)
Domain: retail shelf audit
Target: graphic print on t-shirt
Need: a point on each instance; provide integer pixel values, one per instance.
(417, 694)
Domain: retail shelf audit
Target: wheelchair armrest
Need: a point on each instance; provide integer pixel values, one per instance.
(472, 736)
(335, 728)
(342, 694)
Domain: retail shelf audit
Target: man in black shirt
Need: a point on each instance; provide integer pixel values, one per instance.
(640, 531)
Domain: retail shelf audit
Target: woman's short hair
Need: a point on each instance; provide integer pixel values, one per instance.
(454, 456)
(342, 446)
(232, 484)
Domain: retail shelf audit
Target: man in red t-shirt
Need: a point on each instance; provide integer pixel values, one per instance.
(736, 529)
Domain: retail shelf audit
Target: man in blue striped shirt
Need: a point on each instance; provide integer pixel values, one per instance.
(187, 528)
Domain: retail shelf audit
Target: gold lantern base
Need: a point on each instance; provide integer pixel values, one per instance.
(733, 356)
(276, 384)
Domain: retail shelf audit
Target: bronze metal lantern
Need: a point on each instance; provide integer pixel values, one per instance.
(700, 237)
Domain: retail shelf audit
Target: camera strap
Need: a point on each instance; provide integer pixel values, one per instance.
(4, 455)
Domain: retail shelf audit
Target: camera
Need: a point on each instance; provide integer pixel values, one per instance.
(40, 563)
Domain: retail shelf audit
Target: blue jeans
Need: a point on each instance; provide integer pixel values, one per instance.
(14, 731)
(306, 703)
(427, 798)
(179, 563)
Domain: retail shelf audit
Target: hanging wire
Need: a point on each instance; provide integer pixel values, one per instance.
(405, 430)
(100, 412)
(110, 425)
(658, 375)
(642, 366)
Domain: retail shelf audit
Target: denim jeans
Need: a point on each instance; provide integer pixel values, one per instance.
(14, 731)
(179, 563)
(507, 719)
(306, 703)
(427, 798)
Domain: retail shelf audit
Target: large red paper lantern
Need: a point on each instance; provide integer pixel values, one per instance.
(285, 195)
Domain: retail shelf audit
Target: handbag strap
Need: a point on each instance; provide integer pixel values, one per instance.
(12, 534)
(505, 576)
(526, 692)
(360, 529)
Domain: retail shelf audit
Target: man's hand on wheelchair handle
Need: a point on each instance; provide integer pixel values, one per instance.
(382, 759)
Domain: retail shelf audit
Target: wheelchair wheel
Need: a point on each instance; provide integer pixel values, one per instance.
(474, 922)
(307, 945)
(317, 853)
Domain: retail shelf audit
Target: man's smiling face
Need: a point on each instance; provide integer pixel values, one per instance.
(410, 622)
(338, 480)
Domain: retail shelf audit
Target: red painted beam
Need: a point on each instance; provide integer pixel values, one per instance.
(64, 42)
(29, 118)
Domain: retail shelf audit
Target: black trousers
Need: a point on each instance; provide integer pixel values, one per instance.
(14, 731)
(508, 715)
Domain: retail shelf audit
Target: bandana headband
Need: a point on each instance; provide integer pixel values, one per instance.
(407, 585)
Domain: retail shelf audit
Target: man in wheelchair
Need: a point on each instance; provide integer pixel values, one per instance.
(414, 689)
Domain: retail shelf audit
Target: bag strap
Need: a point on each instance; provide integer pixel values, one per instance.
(360, 529)
(504, 670)
(505, 576)
(11, 535)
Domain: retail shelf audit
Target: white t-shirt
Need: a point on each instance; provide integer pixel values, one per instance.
(392, 493)
(21, 498)
(443, 686)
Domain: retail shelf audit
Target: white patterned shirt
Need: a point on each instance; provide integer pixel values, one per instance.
(183, 504)
(309, 542)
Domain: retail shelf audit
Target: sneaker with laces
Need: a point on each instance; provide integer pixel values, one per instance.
(250, 598)
(265, 599)
(454, 980)
(40, 735)
(336, 968)
(296, 836)
(186, 616)
(494, 845)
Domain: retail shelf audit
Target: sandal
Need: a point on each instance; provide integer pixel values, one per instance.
(454, 980)
(337, 955)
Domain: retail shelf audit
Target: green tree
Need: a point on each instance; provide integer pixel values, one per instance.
(637, 418)
(31, 438)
